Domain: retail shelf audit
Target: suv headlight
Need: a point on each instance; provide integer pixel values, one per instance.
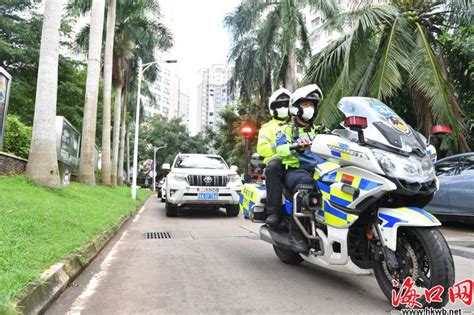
(412, 169)
(180, 177)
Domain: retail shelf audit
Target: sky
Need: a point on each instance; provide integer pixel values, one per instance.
(200, 39)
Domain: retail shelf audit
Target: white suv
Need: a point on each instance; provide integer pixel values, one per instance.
(202, 180)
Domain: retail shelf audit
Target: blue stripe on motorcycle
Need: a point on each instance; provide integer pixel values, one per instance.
(334, 212)
(366, 184)
(423, 212)
(340, 201)
(241, 199)
(336, 154)
(260, 187)
(324, 187)
(391, 221)
(331, 177)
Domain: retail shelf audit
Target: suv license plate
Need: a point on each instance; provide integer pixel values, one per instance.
(200, 189)
(208, 196)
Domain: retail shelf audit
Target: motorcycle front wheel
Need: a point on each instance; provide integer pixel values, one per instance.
(422, 254)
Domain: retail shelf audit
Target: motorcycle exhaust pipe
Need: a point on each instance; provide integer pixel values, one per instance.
(265, 235)
(275, 237)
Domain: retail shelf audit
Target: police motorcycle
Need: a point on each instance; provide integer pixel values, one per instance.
(364, 213)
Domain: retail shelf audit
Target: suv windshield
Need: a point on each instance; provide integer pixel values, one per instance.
(201, 161)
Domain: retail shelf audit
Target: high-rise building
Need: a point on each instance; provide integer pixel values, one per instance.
(214, 93)
(165, 91)
(183, 109)
(319, 38)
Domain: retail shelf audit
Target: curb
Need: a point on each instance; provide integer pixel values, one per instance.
(37, 296)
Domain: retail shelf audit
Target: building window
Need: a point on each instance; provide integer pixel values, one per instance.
(211, 114)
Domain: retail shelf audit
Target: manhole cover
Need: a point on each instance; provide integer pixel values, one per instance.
(157, 235)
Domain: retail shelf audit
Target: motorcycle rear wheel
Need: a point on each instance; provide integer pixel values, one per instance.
(423, 254)
(287, 257)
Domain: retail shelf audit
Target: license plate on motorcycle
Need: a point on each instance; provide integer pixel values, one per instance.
(208, 196)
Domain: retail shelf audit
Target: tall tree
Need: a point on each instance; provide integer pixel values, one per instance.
(394, 46)
(272, 31)
(116, 129)
(108, 61)
(42, 164)
(87, 158)
(138, 34)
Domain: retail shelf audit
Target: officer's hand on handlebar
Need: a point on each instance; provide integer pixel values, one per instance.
(304, 144)
(301, 145)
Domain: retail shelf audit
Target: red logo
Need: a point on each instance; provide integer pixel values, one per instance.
(408, 296)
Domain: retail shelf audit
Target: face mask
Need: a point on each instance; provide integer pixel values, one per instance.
(308, 113)
(282, 112)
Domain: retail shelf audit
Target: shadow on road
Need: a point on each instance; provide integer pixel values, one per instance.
(200, 213)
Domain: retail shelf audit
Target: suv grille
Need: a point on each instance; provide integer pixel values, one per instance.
(208, 180)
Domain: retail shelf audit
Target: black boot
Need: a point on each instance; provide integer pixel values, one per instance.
(297, 239)
(273, 220)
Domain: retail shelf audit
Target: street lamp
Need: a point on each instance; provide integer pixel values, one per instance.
(141, 68)
(154, 165)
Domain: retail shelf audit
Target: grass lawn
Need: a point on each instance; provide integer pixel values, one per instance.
(39, 226)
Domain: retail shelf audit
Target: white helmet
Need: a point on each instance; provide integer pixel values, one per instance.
(280, 98)
(311, 93)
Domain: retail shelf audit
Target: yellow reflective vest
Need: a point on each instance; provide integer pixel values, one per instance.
(266, 146)
(294, 159)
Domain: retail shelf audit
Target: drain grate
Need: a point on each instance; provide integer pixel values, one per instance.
(157, 235)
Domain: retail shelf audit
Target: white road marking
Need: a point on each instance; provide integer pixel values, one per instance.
(80, 302)
(138, 214)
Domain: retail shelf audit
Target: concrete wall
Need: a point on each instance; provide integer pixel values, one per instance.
(11, 165)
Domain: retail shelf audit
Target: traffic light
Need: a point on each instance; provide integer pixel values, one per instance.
(246, 131)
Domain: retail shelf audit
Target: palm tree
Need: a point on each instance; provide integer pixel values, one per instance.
(137, 36)
(393, 46)
(108, 61)
(266, 37)
(42, 163)
(87, 160)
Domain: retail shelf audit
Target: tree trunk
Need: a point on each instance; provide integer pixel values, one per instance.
(290, 80)
(108, 62)
(43, 162)
(127, 145)
(120, 177)
(116, 131)
(87, 161)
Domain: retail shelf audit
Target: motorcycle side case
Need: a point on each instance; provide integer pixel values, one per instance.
(252, 202)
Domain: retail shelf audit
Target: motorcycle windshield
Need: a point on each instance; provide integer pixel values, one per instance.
(383, 124)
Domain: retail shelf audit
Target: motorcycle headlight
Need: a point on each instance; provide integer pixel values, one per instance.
(180, 177)
(412, 169)
(234, 178)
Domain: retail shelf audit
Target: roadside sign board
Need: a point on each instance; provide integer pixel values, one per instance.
(5, 81)
(68, 140)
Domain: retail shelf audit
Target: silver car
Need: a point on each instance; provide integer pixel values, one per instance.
(455, 199)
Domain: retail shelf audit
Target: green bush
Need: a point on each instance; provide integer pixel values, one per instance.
(17, 138)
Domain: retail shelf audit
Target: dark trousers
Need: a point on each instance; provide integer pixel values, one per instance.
(294, 177)
(273, 182)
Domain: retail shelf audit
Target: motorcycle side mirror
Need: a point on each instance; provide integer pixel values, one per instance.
(357, 123)
(166, 166)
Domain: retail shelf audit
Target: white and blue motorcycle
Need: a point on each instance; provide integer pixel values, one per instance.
(364, 214)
